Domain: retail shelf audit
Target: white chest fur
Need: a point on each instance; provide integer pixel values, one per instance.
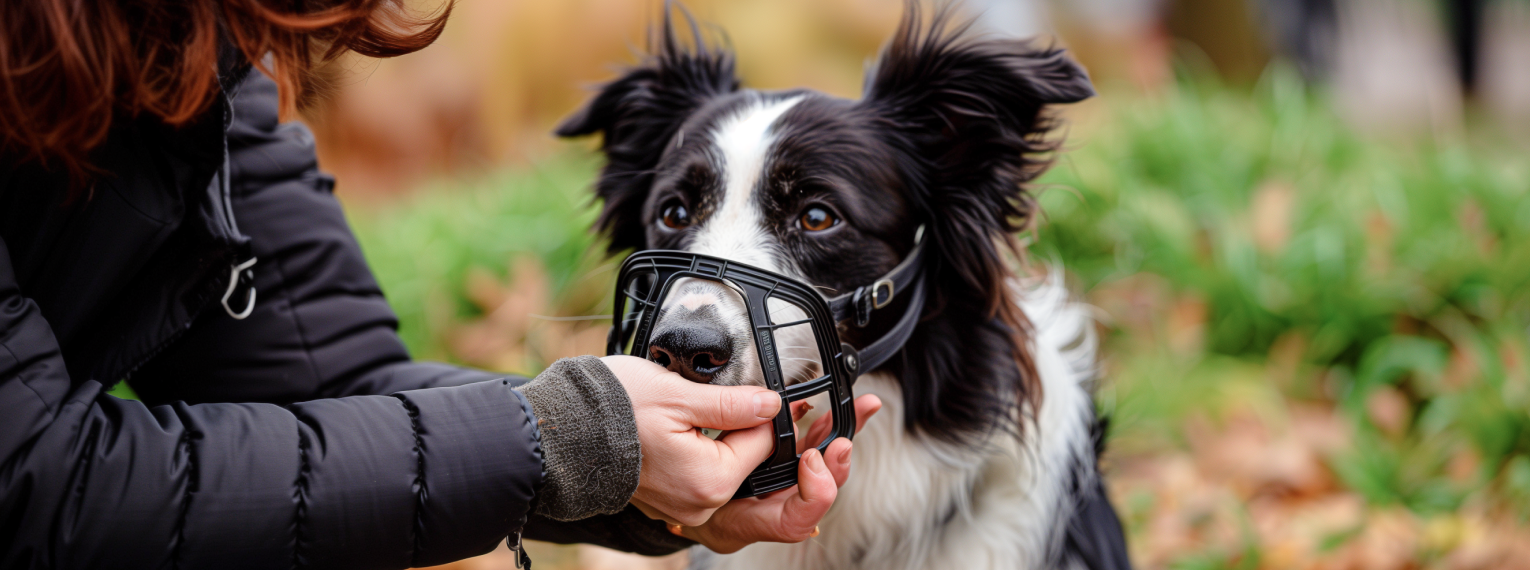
(915, 503)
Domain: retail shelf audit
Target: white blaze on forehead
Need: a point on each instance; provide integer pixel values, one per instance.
(736, 230)
(695, 301)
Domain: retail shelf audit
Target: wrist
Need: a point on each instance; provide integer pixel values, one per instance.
(590, 449)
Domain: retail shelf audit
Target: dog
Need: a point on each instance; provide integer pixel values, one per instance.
(985, 453)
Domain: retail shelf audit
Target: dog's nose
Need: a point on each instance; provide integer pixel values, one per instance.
(697, 352)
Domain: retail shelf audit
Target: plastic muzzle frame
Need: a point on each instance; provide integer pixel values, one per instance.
(645, 281)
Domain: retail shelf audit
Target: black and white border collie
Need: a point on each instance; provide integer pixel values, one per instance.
(985, 452)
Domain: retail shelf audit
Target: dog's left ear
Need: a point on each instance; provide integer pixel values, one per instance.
(969, 118)
(638, 115)
(972, 116)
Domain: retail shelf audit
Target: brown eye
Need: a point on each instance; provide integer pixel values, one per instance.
(817, 219)
(675, 216)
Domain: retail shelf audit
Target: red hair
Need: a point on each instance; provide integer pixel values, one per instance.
(68, 67)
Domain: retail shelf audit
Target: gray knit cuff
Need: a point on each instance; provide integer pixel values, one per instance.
(590, 448)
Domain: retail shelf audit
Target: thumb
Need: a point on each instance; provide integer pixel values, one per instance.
(727, 407)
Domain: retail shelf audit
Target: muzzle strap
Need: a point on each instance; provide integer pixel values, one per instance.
(857, 306)
(877, 353)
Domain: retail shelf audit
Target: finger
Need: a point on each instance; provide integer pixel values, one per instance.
(816, 489)
(837, 456)
(723, 464)
(746, 521)
(865, 407)
(815, 434)
(743, 450)
(726, 407)
(800, 408)
(790, 515)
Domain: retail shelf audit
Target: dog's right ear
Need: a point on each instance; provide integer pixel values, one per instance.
(638, 115)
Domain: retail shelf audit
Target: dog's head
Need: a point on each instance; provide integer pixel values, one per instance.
(831, 191)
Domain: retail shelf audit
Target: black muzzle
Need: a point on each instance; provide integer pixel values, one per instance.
(646, 279)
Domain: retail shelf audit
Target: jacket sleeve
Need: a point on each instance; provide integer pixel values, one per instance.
(91, 481)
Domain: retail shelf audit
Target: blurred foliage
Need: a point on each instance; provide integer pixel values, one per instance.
(1317, 344)
(1395, 269)
(504, 72)
(445, 255)
(1255, 258)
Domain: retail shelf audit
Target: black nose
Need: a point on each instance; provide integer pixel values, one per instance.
(697, 351)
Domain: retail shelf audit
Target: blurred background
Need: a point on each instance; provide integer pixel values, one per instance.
(1305, 225)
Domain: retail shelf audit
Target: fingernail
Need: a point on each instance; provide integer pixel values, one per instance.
(802, 410)
(814, 461)
(767, 404)
(844, 456)
(814, 533)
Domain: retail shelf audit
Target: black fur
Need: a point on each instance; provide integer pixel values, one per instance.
(639, 114)
(1093, 538)
(967, 119)
(948, 130)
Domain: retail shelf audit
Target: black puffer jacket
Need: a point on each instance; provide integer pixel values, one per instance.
(354, 456)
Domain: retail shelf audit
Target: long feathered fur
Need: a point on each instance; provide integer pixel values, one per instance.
(970, 123)
(640, 113)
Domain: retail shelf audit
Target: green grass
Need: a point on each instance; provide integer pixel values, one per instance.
(423, 249)
(1403, 269)
(1400, 268)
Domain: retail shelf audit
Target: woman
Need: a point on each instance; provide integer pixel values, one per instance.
(160, 226)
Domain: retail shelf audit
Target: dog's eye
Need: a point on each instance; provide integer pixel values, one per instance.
(675, 216)
(817, 219)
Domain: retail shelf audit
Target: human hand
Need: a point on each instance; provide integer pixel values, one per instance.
(792, 514)
(685, 475)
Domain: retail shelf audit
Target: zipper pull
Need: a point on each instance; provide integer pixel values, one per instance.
(241, 275)
(522, 561)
